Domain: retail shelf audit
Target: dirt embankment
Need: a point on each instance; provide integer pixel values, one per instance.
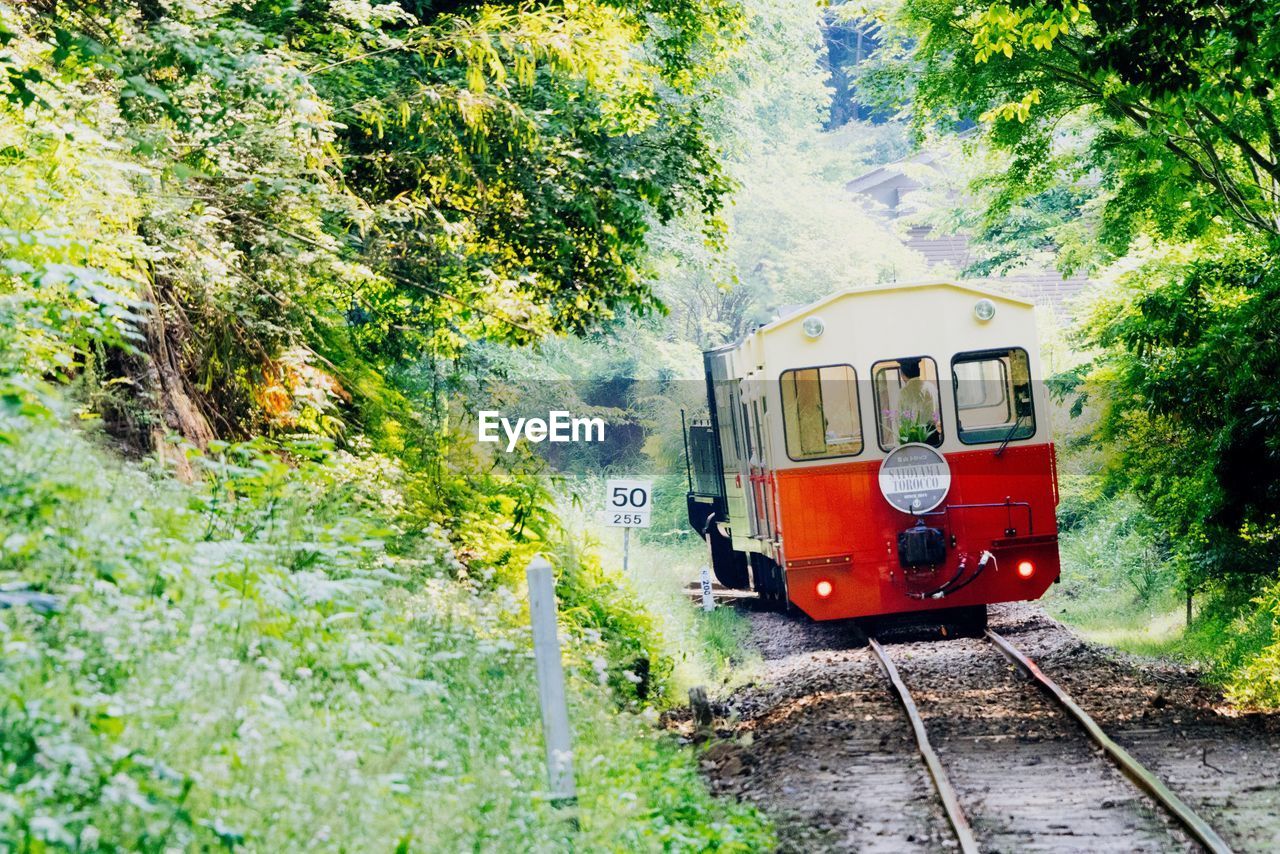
(821, 744)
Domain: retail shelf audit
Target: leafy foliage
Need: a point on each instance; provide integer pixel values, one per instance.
(525, 152)
(1143, 136)
(259, 240)
(1253, 649)
(1195, 423)
(1179, 97)
(271, 660)
(286, 170)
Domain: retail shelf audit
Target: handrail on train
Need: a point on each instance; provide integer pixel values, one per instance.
(1008, 503)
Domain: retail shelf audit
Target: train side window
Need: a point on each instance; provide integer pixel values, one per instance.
(722, 398)
(755, 423)
(993, 396)
(906, 393)
(820, 412)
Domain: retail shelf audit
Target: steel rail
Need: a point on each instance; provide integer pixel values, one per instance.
(1132, 768)
(946, 793)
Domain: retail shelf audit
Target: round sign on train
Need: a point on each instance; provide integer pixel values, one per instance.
(915, 478)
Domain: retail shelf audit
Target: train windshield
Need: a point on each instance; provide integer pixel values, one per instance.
(820, 412)
(993, 396)
(907, 408)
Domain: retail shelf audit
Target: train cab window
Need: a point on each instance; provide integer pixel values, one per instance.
(993, 396)
(907, 410)
(820, 412)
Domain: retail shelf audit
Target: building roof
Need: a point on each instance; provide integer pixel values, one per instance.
(890, 173)
(884, 188)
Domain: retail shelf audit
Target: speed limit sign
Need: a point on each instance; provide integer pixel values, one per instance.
(627, 503)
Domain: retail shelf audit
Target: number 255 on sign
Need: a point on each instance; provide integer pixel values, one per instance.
(628, 503)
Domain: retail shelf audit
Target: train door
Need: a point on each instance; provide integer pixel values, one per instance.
(734, 451)
(761, 503)
(766, 470)
(749, 446)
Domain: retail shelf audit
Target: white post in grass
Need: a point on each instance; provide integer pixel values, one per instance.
(546, 653)
(626, 549)
(708, 604)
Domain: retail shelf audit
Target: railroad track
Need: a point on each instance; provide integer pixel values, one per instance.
(1133, 770)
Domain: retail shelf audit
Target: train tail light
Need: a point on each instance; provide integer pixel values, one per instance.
(823, 588)
(1026, 569)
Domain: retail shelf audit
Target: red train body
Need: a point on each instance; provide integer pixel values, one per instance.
(842, 474)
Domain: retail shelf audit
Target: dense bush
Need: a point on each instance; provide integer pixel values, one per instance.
(280, 226)
(1185, 387)
(1251, 659)
(1115, 551)
(247, 663)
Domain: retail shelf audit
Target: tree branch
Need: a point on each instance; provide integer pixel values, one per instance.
(1273, 132)
(1269, 166)
(1202, 172)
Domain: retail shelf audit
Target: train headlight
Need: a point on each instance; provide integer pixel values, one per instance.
(823, 588)
(1026, 569)
(813, 327)
(984, 309)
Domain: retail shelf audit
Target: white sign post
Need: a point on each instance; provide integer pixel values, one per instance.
(546, 654)
(627, 504)
(708, 602)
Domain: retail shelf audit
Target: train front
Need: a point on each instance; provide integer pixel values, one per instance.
(925, 530)
(887, 451)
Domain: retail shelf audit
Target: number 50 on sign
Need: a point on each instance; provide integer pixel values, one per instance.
(628, 503)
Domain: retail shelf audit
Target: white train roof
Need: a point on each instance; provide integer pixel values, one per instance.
(883, 322)
(862, 327)
(805, 310)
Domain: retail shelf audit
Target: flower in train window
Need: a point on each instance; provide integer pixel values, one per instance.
(910, 426)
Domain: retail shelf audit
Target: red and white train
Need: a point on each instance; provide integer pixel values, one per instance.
(882, 451)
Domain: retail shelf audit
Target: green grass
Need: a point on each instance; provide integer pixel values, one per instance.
(1119, 589)
(710, 649)
(269, 660)
(1151, 629)
(726, 636)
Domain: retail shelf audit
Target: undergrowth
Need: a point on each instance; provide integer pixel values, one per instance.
(1116, 585)
(1119, 587)
(704, 648)
(270, 660)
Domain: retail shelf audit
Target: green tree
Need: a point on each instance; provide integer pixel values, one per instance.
(1179, 96)
(1147, 133)
(402, 179)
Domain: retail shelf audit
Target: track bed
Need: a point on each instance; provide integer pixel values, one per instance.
(822, 744)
